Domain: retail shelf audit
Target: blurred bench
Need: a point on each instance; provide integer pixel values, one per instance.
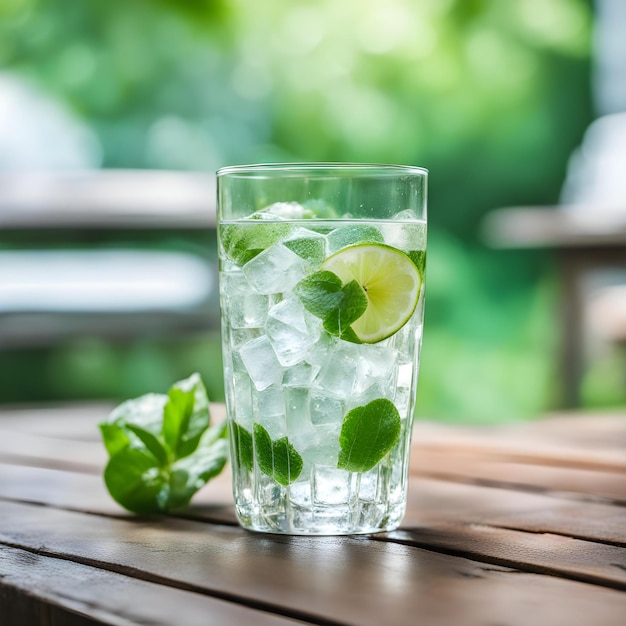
(89, 254)
(586, 241)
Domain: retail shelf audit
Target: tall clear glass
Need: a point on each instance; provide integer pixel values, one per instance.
(322, 300)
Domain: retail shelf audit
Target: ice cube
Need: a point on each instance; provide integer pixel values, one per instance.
(288, 331)
(261, 363)
(320, 352)
(378, 361)
(320, 446)
(233, 284)
(406, 235)
(325, 409)
(332, 486)
(269, 402)
(404, 341)
(307, 244)
(404, 395)
(378, 389)
(373, 363)
(243, 307)
(297, 411)
(300, 492)
(339, 372)
(299, 375)
(368, 485)
(269, 410)
(241, 399)
(275, 270)
(238, 336)
(405, 375)
(282, 211)
(290, 311)
(403, 401)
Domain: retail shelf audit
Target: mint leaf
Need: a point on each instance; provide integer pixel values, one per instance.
(419, 258)
(367, 434)
(151, 442)
(189, 474)
(264, 454)
(242, 242)
(145, 412)
(287, 461)
(135, 481)
(320, 293)
(337, 305)
(351, 306)
(278, 459)
(352, 234)
(185, 416)
(162, 449)
(243, 445)
(308, 248)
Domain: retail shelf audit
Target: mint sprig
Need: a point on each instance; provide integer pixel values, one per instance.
(162, 448)
(367, 434)
(324, 295)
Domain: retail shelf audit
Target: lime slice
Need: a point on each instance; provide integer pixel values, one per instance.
(391, 283)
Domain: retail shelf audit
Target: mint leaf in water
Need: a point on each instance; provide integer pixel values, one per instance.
(309, 248)
(243, 446)
(242, 242)
(419, 258)
(323, 294)
(162, 449)
(351, 306)
(367, 434)
(352, 234)
(278, 459)
(320, 293)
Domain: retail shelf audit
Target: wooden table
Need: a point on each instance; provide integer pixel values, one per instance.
(521, 524)
(583, 242)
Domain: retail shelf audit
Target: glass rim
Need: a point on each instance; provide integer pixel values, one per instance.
(302, 167)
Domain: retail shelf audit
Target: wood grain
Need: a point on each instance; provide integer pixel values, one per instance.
(341, 580)
(519, 524)
(554, 555)
(100, 596)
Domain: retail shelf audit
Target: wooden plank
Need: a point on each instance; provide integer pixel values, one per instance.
(607, 525)
(78, 421)
(433, 502)
(554, 555)
(337, 579)
(37, 451)
(522, 443)
(584, 484)
(62, 590)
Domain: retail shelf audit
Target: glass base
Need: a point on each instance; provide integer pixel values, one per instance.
(328, 502)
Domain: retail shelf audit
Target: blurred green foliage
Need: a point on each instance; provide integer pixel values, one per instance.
(491, 96)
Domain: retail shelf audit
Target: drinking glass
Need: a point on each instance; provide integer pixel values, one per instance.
(322, 300)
